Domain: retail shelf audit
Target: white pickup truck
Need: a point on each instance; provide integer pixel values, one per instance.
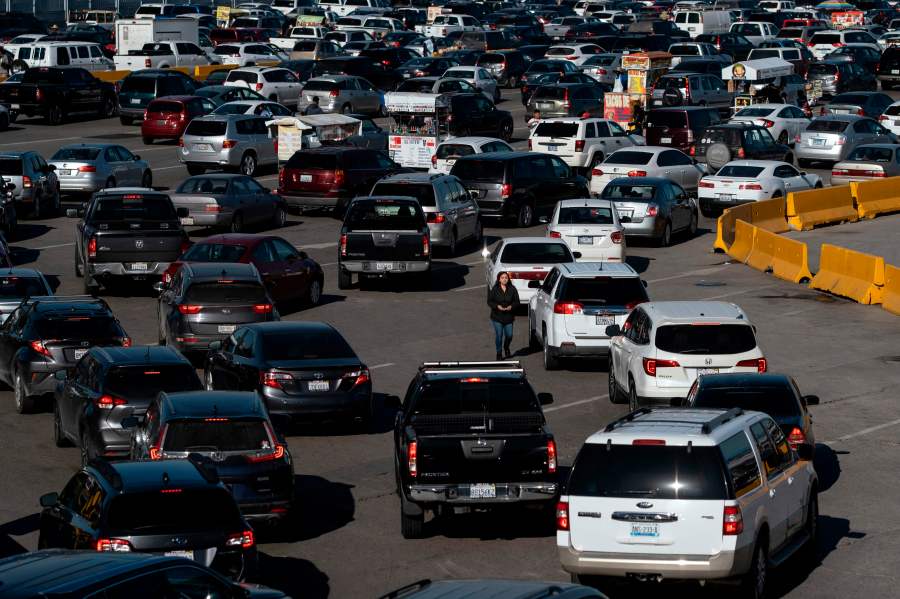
(443, 25)
(163, 55)
(297, 34)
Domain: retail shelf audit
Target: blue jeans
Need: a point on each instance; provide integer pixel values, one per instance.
(500, 331)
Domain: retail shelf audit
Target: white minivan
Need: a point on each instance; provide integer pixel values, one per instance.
(697, 22)
(65, 54)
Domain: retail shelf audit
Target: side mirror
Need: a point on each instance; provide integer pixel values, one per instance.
(49, 499)
(613, 330)
(71, 213)
(534, 284)
(159, 287)
(544, 219)
(136, 157)
(61, 375)
(182, 212)
(811, 400)
(806, 452)
(545, 399)
(130, 422)
(215, 346)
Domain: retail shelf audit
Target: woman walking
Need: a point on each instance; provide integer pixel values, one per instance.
(503, 299)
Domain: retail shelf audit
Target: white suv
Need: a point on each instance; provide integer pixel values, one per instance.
(699, 494)
(572, 310)
(581, 143)
(590, 226)
(664, 346)
(276, 84)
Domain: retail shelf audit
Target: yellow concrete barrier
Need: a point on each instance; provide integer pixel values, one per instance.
(850, 274)
(770, 215)
(202, 72)
(785, 258)
(807, 209)
(725, 225)
(111, 76)
(740, 248)
(876, 197)
(890, 299)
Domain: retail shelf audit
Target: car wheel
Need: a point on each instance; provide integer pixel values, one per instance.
(755, 582)
(666, 238)
(346, 109)
(551, 361)
(478, 236)
(110, 183)
(633, 403)
(24, 402)
(411, 526)
(783, 138)
(534, 343)
(612, 385)
(776, 194)
(54, 115)
(818, 185)
(248, 164)
(279, 217)
(506, 131)
(345, 279)
(13, 115)
(108, 109)
(314, 293)
(194, 169)
(237, 223)
(451, 246)
(59, 439)
(525, 217)
(126, 120)
(147, 179)
(77, 262)
(148, 141)
(87, 453)
(36, 211)
(812, 529)
(692, 228)
(497, 95)
(4, 121)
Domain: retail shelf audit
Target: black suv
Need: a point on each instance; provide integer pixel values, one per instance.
(720, 144)
(47, 334)
(889, 68)
(207, 301)
(108, 385)
(734, 45)
(301, 369)
(233, 431)
(176, 507)
(139, 88)
(359, 66)
(473, 114)
(518, 185)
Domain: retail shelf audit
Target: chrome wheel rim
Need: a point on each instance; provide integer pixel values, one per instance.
(19, 393)
(315, 292)
(248, 165)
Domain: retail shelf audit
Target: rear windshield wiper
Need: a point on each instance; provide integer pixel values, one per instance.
(696, 350)
(201, 448)
(647, 492)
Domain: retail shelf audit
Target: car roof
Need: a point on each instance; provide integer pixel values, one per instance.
(61, 304)
(546, 240)
(762, 163)
(138, 354)
(137, 477)
(769, 105)
(840, 117)
(590, 270)
(641, 180)
(291, 326)
(211, 271)
(678, 426)
(14, 271)
(412, 178)
(182, 98)
(227, 117)
(204, 404)
(250, 239)
(473, 139)
(691, 311)
(499, 155)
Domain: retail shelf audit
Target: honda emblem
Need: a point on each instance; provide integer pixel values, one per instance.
(139, 244)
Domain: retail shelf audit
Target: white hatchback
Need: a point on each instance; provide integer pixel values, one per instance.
(784, 121)
(574, 53)
(589, 227)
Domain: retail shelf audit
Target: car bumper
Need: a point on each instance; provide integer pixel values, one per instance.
(715, 203)
(397, 267)
(110, 442)
(349, 404)
(87, 184)
(314, 201)
(647, 227)
(188, 342)
(460, 494)
(39, 379)
(221, 158)
(725, 564)
(844, 180)
(119, 269)
(220, 219)
(811, 153)
(162, 132)
(267, 510)
(135, 112)
(583, 347)
(440, 233)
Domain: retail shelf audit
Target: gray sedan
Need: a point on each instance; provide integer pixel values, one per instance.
(86, 168)
(869, 162)
(832, 137)
(652, 207)
(228, 202)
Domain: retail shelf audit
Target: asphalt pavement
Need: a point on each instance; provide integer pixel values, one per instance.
(347, 542)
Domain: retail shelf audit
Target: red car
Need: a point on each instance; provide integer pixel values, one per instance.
(168, 117)
(288, 273)
(237, 35)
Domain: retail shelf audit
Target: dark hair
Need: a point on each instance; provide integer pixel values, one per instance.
(500, 274)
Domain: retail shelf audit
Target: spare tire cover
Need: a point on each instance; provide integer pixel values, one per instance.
(672, 96)
(718, 155)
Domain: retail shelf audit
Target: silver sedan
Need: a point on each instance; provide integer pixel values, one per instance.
(86, 168)
(832, 137)
(229, 202)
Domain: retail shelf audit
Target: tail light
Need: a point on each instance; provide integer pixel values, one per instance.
(358, 377)
(281, 178)
(637, 173)
(555, 235)
(505, 191)
(92, 248)
(596, 172)
(796, 438)
(275, 145)
(334, 93)
(751, 186)
(602, 71)
(228, 143)
(39, 347)
(838, 45)
(883, 117)
(822, 111)
(262, 308)
(386, 63)
(562, 515)
(616, 237)
(651, 364)
(189, 309)
(108, 402)
(38, 95)
(693, 151)
(861, 112)
(212, 208)
(839, 172)
(26, 182)
(837, 78)
(566, 102)
(126, 341)
(567, 308)
(276, 454)
(426, 245)
(182, 116)
(274, 379)
(741, 153)
(411, 457)
(87, 169)
(579, 145)
(841, 140)
(338, 178)
(148, 63)
(434, 160)
(768, 123)
(551, 456)
(243, 539)
(732, 520)
(435, 217)
(759, 363)
(146, 112)
(797, 139)
(259, 86)
(652, 210)
(185, 245)
(343, 245)
(116, 545)
(529, 145)
(706, 185)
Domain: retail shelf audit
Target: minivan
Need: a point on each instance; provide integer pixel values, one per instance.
(65, 54)
(678, 127)
(138, 89)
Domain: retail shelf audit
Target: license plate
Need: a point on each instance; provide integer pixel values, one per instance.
(317, 385)
(135, 100)
(585, 240)
(626, 213)
(384, 266)
(63, 172)
(545, 105)
(552, 147)
(139, 266)
(305, 178)
(202, 148)
(14, 106)
(645, 530)
(187, 220)
(657, 102)
(79, 353)
(227, 328)
(483, 491)
(726, 197)
(450, 161)
(605, 321)
(161, 122)
(818, 142)
(187, 554)
(665, 140)
(895, 71)
(705, 371)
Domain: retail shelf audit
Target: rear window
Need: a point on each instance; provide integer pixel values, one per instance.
(705, 339)
(391, 216)
(604, 291)
(313, 160)
(727, 136)
(222, 50)
(192, 510)
(308, 345)
(477, 397)
(628, 157)
(552, 93)
(461, 74)
(147, 380)
(240, 293)
(544, 67)
(214, 252)
(213, 185)
(206, 128)
(892, 110)
(536, 253)
(165, 106)
(10, 166)
(137, 208)
(585, 215)
(827, 126)
(139, 85)
(556, 130)
(454, 150)
(734, 170)
(213, 434)
(856, 99)
(755, 112)
(75, 154)
(423, 193)
(825, 38)
(630, 193)
(19, 287)
(684, 50)
(776, 401)
(822, 69)
(648, 471)
(664, 118)
(764, 53)
(79, 327)
(242, 76)
(490, 171)
(872, 154)
(791, 32)
(319, 86)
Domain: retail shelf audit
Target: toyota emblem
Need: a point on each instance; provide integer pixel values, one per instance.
(139, 244)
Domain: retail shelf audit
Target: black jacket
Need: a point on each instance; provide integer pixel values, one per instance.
(496, 297)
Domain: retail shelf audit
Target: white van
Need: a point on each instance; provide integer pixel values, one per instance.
(697, 22)
(65, 54)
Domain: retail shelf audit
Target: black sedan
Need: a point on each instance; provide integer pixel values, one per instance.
(425, 67)
(301, 369)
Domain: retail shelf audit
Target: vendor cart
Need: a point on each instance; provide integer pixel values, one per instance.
(419, 122)
(745, 79)
(643, 68)
(295, 133)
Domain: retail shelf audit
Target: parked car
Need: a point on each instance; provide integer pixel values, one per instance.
(342, 93)
(866, 57)
(603, 66)
(448, 151)
(427, 66)
(647, 161)
(567, 100)
(591, 227)
(841, 77)
(719, 144)
(221, 94)
(745, 181)
(733, 44)
(56, 93)
(139, 88)
(31, 182)
(832, 137)
(275, 83)
(167, 117)
(473, 114)
(784, 121)
(248, 54)
(227, 142)
(867, 163)
(264, 108)
(228, 201)
(479, 77)
(506, 66)
(87, 168)
(512, 589)
(437, 85)
(683, 89)
(653, 208)
(527, 260)
(824, 42)
(582, 143)
(870, 104)
(889, 68)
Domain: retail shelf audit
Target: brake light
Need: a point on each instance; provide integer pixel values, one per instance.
(652, 210)
(146, 112)
(759, 363)
(359, 377)
(338, 177)
(579, 145)
(126, 341)
(435, 217)
(228, 143)
(426, 245)
(180, 142)
(148, 63)
(649, 442)
(567, 308)
(170, 491)
(652, 364)
(276, 454)
(732, 521)
(555, 235)
(40, 348)
(386, 63)
(838, 45)
(434, 160)
(562, 515)
(551, 456)
(616, 237)
(117, 545)
(244, 539)
(274, 379)
(474, 379)
(596, 172)
(333, 93)
(38, 95)
(796, 438)
(411, 456)
(841, 140)
(768, 123)
(751, 186)
(861, 112)
(637, 173)
(26, 182)
(189, 309)
(505, 191)
(839, 171)
(566, 102)
(212, 208)
(693, 151)
(741, 153)
(883, 117)
(87, 169)
(343, 245)
(262, 308)
(108, 402)
(706, 185)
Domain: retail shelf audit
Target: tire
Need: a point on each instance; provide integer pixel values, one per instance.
(818, 185)
(497, 96)
(237, 223)
(551, 362)
(194, 169)
(24, 402)
(108, 108)
(346, 109)
(506, 131)
(451, 248)
(479, 233)
(54, 115)
(13, 115)
(776, 194)
(633, 402)
(59, 439)
(78, 266)
(4, 122)
(147, 179)
(36, 211)
(717, 156)
(614, 396)
(533, 343)
(810, 549)
(525, 216)
(279, 217)
(314, 293)
(248, 164)
(755, 582)
(692, 228)
(672, 96)
(87, 454)
(148, 141)
(126, 120)
(89, 287)
(411, 527)
(345, 279)
(665, 240)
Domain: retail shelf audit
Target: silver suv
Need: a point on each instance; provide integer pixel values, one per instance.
(36, 187)
(701, 494)
(690, 89)
(450, 211)
(228, 142)
(342, 93)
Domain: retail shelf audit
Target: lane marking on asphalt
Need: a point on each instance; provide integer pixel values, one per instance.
(50, 247)
(22, 143)
(166, 168)
(864, 431)
(385, 365)
(144, 149)
(471, 288)
(723, 295)
(690, 273)
(328, 264)
(576, 403)
(320, 246)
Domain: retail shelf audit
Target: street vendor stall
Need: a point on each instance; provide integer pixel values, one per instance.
(746, 79)
(643, 69)
(419, 122)
(295, 133)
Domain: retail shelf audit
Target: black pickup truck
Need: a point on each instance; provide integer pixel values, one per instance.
(55, 93)
(127, 233)
(383, 236)
(472, 435)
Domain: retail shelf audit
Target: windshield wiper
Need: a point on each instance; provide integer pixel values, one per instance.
(648, 492)
(696, 350)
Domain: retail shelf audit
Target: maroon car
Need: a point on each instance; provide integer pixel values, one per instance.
(168, 117)
(289, 274)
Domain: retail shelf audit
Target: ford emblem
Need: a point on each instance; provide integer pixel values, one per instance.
(645, 505)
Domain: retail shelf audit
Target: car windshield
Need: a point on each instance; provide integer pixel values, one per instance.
(10, 165)
(544, 66)
(306, 345)
(827, 126)
(756, 112)
(628, 157)
(585, 215)
(385, 215)
(475, 395)
(536, 253)
(745, 28)
(222, 292)
(546, 129)
(217, 434)
(214, 252)
(684, 50)
(422, 192)
(147, 380)
(737, 170)
(134, 207)
(826, 39)
(20, 287)
(764, 53)
(75, 154)
(460, 73)
(648, 471)
(454, 151)
(775, 400)
(705, 339)
(630, 193)
(603, 291)
(872, 154)
(79, 327)
(192, 510)
(319, 86)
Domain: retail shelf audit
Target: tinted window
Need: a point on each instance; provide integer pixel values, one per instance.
(214, 252)
(307, 345)
(188, 511)
(651, 471)
(664, 118)
(734, 170)
(10, 166)
(423, 193)
(206, 128)
(629, 157)
(556, 130)
(741, 463)
(479, 170)
(603, 291)
(217, 435)
(775, 400)
(139, 85)
(137, 208)
(392, 216)
(585, 215)
(706, 339)
(249, 293)
(454, 150)
(536, 253)
(19, 287)
(631, 193)
(313, 160)
(146, 381)
(483, 396)
(827, 126)
(78, 327)
(822, 69)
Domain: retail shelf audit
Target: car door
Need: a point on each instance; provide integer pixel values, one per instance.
(58, 521)
(669, 161)
(243, 364)
(130, 166)
(795, 121)
(542, 306)
(271, 270)
(563, 180)
(116, 168)
(296, 273)
(681, 206)
(466, 208)
(245, 200)
(796, 482)
(263, 142)
(778, 506)
(219, 365)
(75, 393)
(369, 98)
(10, 332)
(623, 347)
(791, 178)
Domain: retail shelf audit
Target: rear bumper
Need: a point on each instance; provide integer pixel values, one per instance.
(368, 267)
(118, 269)
(715, 204)
(834, 153)
(725, 564)
(458, 494)
(136, 112)
(88, 184)
(220, 219)
(228, 157)
(576, 348)
(648, 227)
(313, 201)
(350, 404)
(161, 132)
(39, 379)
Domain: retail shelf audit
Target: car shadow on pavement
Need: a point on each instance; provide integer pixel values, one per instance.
(638, 263)
(794, 572)
(28, 230)
(827, 466)
(512, 522)
(320, 507)
(293, 577)
(444, 277)
(23, 256)
(17, 528)
(288, 308)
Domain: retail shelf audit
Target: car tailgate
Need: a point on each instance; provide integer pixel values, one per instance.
(140, 244)
(386, 245)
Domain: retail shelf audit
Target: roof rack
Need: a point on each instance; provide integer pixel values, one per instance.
(705, 428)
(721, 419)
(626, 419)
(495, 366)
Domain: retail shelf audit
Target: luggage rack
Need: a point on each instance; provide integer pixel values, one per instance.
(705, 427)
(467, 367)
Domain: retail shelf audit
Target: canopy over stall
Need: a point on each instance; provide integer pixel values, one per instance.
(298, 132)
